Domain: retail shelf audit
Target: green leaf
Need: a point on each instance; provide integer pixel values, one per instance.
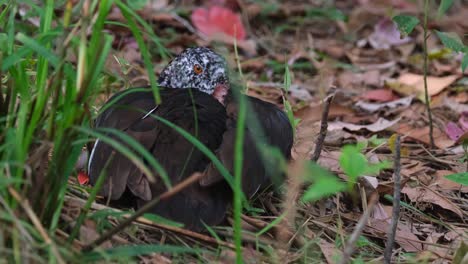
(444, 6)
(376, 141)
(330, 13)
(451, 41)
(133, 251)
(3, 42)
(137, 4)
(161, 220)
(324, 183)
(353, 162)
(405, 23)
(461, 178)
(375, 168)
(287, 77)
(323, 187)
(464, 62)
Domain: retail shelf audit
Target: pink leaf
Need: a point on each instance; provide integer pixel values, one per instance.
(453, 131)
(386, 34)
(216, 20)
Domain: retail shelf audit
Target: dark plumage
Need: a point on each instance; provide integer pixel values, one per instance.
(131, 112)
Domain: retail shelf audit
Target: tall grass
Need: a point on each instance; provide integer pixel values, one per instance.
(45, 105)
(45, 113)
(45, 120)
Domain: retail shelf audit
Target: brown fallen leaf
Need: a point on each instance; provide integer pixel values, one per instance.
(309, 127)
(313, 112)
(380, 95)
(88, 234)
(442, 183)
(379, 125)
(428, 195)
(329, 250)
(421, 134)
(373, 107)
(413, 84)
(404, 236)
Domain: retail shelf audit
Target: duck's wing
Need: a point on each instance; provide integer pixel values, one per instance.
(192, 206)
(124, 112)
(134, 114)
(260, 166)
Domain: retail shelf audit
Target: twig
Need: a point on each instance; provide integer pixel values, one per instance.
(145, 208)
(272, 85)
(396, 203)
(426, 93)
(37, 223)
(350, 245)
(186, 233)
(323, 127)
(261, 224)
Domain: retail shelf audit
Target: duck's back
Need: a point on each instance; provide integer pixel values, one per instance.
(132, 112)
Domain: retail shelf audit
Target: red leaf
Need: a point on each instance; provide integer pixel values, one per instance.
(380, 95)
(218, 19)
(83, 178)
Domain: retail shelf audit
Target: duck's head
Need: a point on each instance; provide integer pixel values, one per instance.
(199, 68)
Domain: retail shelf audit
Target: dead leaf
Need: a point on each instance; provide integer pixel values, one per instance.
(88, 234)
(428, 195)
(421, 134)
(379, 125)
(380, 95)
(373, 107)
(329, 250)
(404, 152)
(404, 236)
(455, 105)
(413, 84)
(386, 35)
(442, 183)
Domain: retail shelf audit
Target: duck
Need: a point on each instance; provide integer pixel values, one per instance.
(196, 95)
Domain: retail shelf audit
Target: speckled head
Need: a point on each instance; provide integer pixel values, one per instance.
(199, 68)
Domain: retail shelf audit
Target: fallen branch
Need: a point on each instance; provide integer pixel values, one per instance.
(186, 233)
(323, 127)
(350, 245)
(106, 236)
(396, 204)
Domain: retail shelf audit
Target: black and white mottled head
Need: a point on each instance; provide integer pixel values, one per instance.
(199, 68)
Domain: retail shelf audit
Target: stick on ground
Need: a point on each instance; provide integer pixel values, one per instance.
(396, 204)
(351, 244)
(323, 127)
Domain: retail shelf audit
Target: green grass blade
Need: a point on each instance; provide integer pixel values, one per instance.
(129, 16)
(238, 161)
(133, 251)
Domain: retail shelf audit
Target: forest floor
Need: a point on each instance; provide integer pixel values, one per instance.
(351, 51)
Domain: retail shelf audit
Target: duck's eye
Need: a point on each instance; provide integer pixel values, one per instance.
(197, 69)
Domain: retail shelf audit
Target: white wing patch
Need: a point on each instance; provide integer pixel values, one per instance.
(150, 112)
(92, 155)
